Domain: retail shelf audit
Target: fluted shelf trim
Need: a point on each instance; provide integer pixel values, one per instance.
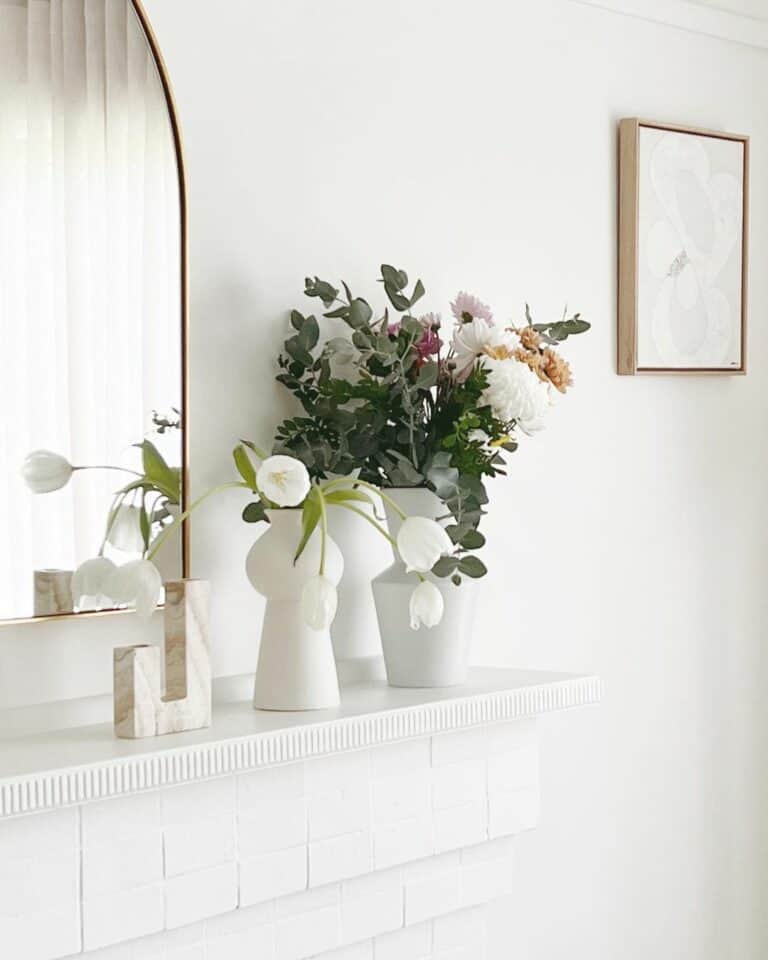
(49, 790)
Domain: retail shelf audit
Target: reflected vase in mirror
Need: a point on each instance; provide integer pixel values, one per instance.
(92, 301)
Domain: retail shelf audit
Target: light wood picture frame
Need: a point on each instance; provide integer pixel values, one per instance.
(683, 249)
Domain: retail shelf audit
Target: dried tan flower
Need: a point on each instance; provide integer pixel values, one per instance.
(532, 360)
(530, 338)
(557, 370)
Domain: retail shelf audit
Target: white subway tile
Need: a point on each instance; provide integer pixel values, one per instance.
(391, 759)
(513, 812)
(121, 916)
(104, 820)
(514, 770)
(243, 919)
(38, 885)
(432, 896)
(339, 858)
(327, 896)
(485, 878)
(195, 846)
(402, 841)
(461, 826)
(356, 951)
(465, 928)
(192, 802)
(171, 944)
(308, 934)
(347, 810)
(126, 862)
(432, 866)
(456, 784)
(498, 849)
(41, 936)
(411, 943)
(275, 824)
(270, 784)
(254, 943)
(331, 773)
(403, 797)
(273, 875)
(196, 896)
(371, 906)
(461, 745)
(46, 835)
(476, 952)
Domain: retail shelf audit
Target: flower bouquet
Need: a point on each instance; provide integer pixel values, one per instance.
(423, 415)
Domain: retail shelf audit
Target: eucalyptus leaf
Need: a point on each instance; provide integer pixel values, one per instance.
(255, 513)
(472, 567)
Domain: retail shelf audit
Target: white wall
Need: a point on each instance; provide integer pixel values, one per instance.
(474, 144)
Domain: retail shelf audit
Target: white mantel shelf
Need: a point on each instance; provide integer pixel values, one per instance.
(58, 769)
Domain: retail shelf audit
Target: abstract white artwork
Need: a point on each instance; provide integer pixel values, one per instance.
(682, 250)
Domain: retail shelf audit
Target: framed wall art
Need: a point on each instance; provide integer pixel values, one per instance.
(683, 225)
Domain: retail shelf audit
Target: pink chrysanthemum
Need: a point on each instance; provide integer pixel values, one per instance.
(467, 308)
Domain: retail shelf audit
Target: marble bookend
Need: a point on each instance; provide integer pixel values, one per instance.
(53, 592)
(142, 707)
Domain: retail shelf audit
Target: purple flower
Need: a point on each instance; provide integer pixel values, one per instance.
(467, 308)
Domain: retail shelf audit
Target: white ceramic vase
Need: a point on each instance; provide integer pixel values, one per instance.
(355, 631)
(430, 656)
(296, 668)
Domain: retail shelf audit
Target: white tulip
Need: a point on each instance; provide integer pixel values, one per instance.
(421, 542)
(44, 471)
(319, 600)
(125, 531)
(426, 606)
(283, 480)
(137, 584)
(91, 579)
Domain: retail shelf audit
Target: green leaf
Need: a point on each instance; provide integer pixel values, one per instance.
(297, 320)
(309, 334)
(445, 566)
(342, 496)
(397, 279)
(360, 314)
(244, 466)
(473, 540)
(418, 292)
(398, 300)
(310, 517)
(255, 513)
(427, 377)
(315, 287)
(472, 567)
(145, 526)
(157, 471)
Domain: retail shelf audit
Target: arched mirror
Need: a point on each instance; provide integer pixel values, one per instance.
(92, 302)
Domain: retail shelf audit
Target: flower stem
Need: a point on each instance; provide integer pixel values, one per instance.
(231, 485)
(368, 519)
(103, 466)
(395, 506)
(323, 529)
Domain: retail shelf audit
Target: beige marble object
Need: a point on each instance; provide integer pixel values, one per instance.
(53, 592)
(142, 707)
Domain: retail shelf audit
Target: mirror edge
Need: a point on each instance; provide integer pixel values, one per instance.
(178, 145)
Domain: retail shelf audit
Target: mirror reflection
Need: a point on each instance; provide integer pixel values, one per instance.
(91, 338)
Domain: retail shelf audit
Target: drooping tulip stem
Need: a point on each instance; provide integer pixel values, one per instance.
(323, 529)
(387, 499)
(231, 485)
(368, 519)
(104, 466)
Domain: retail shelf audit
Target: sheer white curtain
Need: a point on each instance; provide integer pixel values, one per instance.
(90, 338)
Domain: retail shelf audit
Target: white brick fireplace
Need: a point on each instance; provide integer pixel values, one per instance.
(378, 833)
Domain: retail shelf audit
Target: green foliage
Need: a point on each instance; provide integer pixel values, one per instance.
(395, 412)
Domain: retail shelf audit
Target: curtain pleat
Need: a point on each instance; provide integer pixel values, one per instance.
(89, 269)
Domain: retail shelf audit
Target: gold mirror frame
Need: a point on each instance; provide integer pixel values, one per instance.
(178, 145)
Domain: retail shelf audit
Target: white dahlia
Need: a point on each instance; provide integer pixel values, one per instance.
(477, 338)
(514, 392)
